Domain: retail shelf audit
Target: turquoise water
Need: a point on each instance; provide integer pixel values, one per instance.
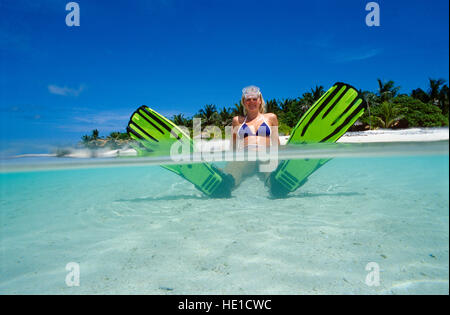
(142, 229)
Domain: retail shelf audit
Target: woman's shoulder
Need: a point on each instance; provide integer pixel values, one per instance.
(237, 120)
(271, 117)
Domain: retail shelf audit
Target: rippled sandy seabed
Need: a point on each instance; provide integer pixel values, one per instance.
(142, 229)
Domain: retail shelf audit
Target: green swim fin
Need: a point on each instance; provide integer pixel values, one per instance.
(155, 134)
(327, 120)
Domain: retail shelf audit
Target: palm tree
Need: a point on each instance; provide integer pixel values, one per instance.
(389, 115)
(238, 110)
(387, 90)
(286, 105)
(86, 139)
(435, 89)
(371, 100)
(226, 116)
(124, 136)
(95, 134)
(90, 141)
(272, 106)
(179, 120)
(421, 95)
(444, 99)
(113, 140)
(307, 100)
(209, 115)
(114, 135)
(317, 92)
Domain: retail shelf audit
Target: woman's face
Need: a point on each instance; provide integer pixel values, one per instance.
(252, 103)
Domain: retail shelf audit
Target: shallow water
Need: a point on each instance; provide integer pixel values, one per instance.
(135, 228)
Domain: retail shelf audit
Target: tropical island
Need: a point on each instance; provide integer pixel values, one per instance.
(386, 108)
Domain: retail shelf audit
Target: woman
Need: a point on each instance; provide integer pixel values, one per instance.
(256, 130)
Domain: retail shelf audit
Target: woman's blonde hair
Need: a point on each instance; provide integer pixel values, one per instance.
(254, 89)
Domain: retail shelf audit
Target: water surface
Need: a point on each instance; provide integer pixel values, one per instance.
(137, 228)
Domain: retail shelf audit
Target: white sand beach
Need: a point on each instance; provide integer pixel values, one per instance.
(399, 135)
(370, 136)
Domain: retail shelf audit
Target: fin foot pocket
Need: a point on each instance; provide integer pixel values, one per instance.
(225, 187)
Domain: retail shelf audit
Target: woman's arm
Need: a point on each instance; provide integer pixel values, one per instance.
(273, 121)
(234, 129)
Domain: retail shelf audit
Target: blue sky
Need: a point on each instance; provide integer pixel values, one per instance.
(58, 82)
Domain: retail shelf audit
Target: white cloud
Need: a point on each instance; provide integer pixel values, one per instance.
(103, 118)
(356, 55)
(104, 121)
(65, 91)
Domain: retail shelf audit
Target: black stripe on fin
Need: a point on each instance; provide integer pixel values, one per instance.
(291, 177)
(346, 110)
(337, 102)
(134, 133)
(143, 131)
(352, 116)
(208, 182)
(148, 120)
(287, 178)
(163, 124)
(320, 109)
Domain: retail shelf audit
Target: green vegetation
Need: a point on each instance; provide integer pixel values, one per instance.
(115, 140)
(387, 114)
(416, 113)
(386, 108)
